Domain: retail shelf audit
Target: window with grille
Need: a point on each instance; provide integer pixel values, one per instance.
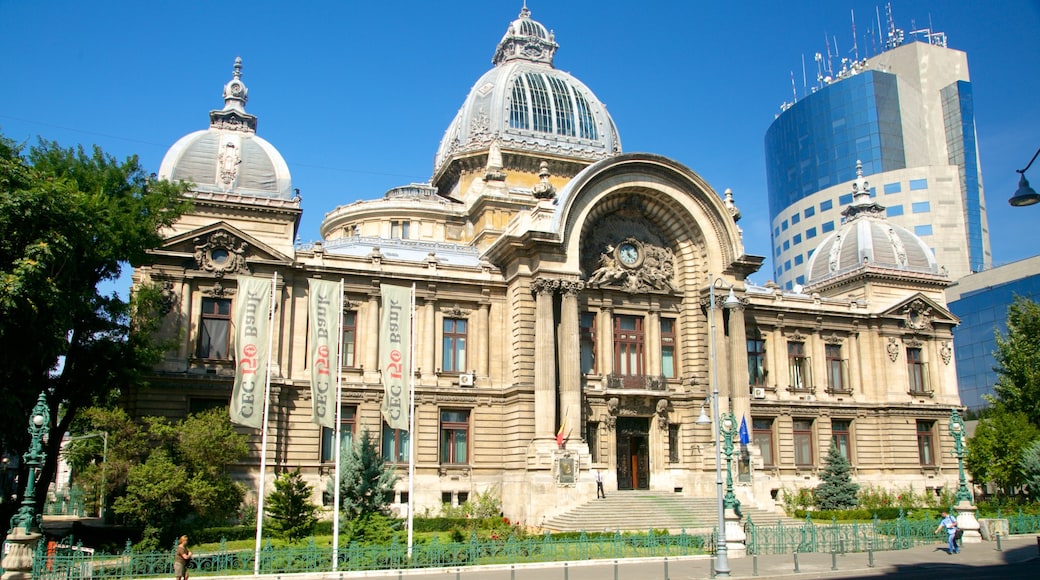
(837, 369)
(628, 345)
(798, 365)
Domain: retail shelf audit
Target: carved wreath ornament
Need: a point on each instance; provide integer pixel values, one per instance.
(635, 266)
(221, 253)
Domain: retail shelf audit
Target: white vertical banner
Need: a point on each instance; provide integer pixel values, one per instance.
(395, 339)
(324, 306)
(252, 317)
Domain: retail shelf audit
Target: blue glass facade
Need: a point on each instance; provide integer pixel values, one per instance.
(959, 120)
(816, 142)
(982, 313)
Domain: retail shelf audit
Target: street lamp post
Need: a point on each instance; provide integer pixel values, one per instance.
(25, 524)
(1025, 195)
(722, 554)
(965, 510)
(730, 501)
(104, 465)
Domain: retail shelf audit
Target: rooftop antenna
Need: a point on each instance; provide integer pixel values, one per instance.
(819, 70)
(877, 13)
(794, 91)
(830, 69)
(805, 87)
(855, 47)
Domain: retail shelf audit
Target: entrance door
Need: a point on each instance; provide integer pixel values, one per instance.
(633, 453)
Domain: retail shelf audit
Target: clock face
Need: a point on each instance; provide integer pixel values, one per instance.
(628, 254)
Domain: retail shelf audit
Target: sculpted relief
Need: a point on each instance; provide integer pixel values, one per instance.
(635, 266)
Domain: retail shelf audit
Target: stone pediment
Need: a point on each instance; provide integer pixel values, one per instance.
(918, 312)
(221, 249)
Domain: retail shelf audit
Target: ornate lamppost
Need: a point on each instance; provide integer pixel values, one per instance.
(25, 524)
(964, 509)
(730, 501)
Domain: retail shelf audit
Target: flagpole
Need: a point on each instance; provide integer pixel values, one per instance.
(263, 432)
(411, 425)
(336, 435)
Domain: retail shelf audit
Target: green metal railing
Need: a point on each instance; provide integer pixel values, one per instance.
(74, 562)
(69, 502)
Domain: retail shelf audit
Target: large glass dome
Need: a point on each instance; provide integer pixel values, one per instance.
(526, 104)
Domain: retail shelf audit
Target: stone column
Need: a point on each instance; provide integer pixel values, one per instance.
(18, 560)
(430, 337)
(736, 345)
(484, 340)
(605, 341)
(570, 363)
(545, 359)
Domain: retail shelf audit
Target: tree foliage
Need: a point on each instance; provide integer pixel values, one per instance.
(161, 474)
(289, 506)
(995, 451)
(1018, 361)
(1030, 465)
(836, 491)
(366, 480)
(70, 220)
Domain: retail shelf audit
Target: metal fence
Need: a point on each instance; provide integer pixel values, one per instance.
(74, 562)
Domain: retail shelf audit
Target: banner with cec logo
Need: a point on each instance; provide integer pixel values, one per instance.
(395, 340)
(324, 308)
(253, 318)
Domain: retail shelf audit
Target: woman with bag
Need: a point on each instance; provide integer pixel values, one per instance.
(180, 559)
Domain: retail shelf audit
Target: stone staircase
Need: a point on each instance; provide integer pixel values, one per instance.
(644, 510)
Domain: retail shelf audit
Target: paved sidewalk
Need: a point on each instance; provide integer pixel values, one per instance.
(1018, 558)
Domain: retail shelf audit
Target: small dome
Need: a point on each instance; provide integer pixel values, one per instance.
(229, 157)
(868, 240)
(528, 105)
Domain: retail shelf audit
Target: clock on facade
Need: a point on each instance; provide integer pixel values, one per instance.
(628, 254)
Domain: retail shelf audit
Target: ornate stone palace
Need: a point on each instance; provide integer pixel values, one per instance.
(561, 288)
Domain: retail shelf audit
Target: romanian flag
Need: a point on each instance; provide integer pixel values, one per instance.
(559, 434)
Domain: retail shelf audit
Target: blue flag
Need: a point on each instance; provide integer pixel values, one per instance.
(744, 439)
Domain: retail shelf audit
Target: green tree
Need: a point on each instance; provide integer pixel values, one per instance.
(994, 453)
(155, 497)
(1030, 466)
(70, 220)
(837, 491)
(289, 506)
(366, 481)
(1018, 361)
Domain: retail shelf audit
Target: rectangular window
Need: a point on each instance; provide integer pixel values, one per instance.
(454, 437)
(810, 211)
(795, 219)
(394, 445)
(453, 357)
(797, 239)
(916, 371)
(399, 230)
(347, 420)
(924, 230)
(783, 225)
(920, 207)
(756, 361)
(762, 433)
(349, 338)
(803, 447)
(827, 227)
(592, 438)
(918, 184)
(925, 451)
(826, 205)
(787, 245)
(587, 341)
(894, 210)
(837, 370)
(673, 443)
(628, 345)
(787, 265)
(540, 104)
(891, 188)
(841, 435)
(798, 260)
(214, 329)
(810, 233)
(799, 378)
(845, 199)
(776, 232)
(668, 347)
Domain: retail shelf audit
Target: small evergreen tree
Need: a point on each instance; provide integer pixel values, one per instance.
(1030, 466)
(837, 492)
(289, 507)
(367, 482)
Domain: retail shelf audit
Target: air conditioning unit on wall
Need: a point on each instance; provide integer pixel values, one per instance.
(758, 392)
(466, 380)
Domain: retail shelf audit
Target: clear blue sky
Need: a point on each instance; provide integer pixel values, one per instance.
(356, 95)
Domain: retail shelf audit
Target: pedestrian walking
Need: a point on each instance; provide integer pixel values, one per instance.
(949, 523)
(599, 485)
(181, 559)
